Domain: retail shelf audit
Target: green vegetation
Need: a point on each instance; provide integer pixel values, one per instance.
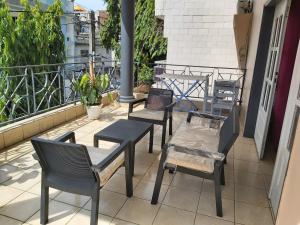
(91, 88)
(34, 38)
(150, 45)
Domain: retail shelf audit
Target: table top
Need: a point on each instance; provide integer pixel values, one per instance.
(182, 77)
(124, 130)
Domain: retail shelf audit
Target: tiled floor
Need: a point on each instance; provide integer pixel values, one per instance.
(184, 199)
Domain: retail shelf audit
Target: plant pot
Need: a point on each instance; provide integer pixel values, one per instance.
(94, 111)
(143, 88)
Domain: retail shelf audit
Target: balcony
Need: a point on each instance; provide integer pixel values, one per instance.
(184, 199)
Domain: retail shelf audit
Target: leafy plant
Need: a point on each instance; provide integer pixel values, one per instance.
(145, 74)
(91, 88)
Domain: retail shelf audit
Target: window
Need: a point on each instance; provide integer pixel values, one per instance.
(84, 53)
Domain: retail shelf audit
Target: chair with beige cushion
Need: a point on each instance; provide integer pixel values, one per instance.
(199, 148)
(78, 169)
(157, 110)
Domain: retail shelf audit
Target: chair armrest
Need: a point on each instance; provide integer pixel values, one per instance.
(199, 152)
(204, 115)
(131, 104)
(69, 136)
(110, 158)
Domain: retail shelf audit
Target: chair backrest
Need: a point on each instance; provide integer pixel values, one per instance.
(158, 99)
(229, 131)
(64, 159)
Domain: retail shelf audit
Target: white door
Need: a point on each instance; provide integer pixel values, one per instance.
(286, 138)
(269, 84)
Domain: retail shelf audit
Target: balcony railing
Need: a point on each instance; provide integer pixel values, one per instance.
(29, 90)
(213, 73)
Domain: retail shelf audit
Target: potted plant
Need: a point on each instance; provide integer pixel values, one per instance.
(145, 79)
(90, 89)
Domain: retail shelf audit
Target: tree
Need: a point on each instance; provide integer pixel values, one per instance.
(150, 45)
(34, 38)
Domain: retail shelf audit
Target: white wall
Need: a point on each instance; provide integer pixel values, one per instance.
(199, 32)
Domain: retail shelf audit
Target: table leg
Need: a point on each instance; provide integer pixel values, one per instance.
(151, 139)
(132, 158)
(128, 174)
(96, 142)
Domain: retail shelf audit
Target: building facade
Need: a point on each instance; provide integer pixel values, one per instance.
(82, 33)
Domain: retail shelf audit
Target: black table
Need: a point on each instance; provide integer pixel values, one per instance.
(126, 130)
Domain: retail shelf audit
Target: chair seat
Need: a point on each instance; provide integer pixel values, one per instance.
(98, 154)
(148, 114)
(200, 134)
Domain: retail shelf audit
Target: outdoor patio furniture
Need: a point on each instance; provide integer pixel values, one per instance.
(195, 83)
(129, 131)
(199, 148)
(78, 169)
(158, 110)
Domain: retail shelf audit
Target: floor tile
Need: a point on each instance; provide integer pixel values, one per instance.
(247, 156)
(249, 179)
(249, 195)
(8, 194)
(188, 182)
(169, 215)
(7, 172)
(59, 213)
(72, 199)
(121, 222)
(207, 206)
(9, 221)
(117, 183)
(247, 166)
(144, 190)
(25, 181)
(182, 199)
(36, 189)
(26, 162)
(152, 173)
(252, 215)
(207, 220)
(138, 211)
(110, 203)
(22, 207)
(227, 190)
(83, 217)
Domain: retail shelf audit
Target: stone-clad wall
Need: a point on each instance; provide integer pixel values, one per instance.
(199, 32)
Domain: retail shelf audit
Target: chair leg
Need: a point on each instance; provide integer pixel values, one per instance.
(44, 204)
(222, 176)
(160, 176)
(158, 182)
(163, 138)
(132, 156)
(171, 125)
(151, 140)
(95, 208)
(218, 195)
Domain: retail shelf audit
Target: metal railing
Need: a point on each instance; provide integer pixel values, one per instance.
(26, 91)
(213, 74)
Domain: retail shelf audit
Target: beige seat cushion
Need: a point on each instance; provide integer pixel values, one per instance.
(200, 134)
(148, 114)
(98, 154)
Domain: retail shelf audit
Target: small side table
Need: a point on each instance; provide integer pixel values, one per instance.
(126, 130)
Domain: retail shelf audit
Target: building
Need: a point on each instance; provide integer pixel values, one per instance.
(66, 22)
(205, 33)
(82, 33)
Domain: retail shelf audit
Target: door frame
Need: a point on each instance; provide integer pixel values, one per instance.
(272, 3)
(286, 138)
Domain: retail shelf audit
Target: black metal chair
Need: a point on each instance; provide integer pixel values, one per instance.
(200, 152)
(157, 110)
(78, 169)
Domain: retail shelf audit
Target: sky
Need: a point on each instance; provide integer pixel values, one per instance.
(92, 4)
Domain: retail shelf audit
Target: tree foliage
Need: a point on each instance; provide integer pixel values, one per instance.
(34, 38)
(150, 45)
